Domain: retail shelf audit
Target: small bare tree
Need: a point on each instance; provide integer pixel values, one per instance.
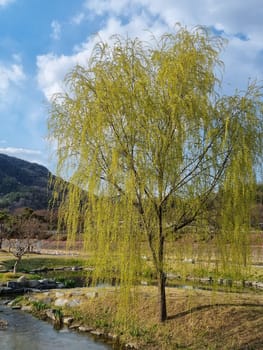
(24, 228)
(20, 248)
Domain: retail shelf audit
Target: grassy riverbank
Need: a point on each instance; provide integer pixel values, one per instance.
(197, 319)
(221, 318)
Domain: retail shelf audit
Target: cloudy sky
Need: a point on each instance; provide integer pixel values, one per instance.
(40, 41)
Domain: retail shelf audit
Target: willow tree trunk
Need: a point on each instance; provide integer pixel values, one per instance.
(162, 296)
(160, 271)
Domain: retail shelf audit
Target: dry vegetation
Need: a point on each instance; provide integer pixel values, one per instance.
(197, 320)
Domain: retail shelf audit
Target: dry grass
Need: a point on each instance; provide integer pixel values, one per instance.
(197, 320)
(210, 320)
(213, 320)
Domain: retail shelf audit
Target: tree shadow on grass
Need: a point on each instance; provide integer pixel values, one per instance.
(211, 306)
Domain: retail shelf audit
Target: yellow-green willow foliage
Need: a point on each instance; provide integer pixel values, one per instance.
(146, 144)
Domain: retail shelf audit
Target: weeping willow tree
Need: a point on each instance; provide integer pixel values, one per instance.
(146, 142)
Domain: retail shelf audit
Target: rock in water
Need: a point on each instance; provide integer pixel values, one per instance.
(3, 324)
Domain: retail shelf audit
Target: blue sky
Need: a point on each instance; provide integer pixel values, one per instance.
(40, 41)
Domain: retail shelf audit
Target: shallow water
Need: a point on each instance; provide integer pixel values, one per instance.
(25, 332)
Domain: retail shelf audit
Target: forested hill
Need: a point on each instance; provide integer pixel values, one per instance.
(23, 184)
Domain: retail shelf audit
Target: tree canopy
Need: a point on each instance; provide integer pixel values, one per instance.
(144, 131)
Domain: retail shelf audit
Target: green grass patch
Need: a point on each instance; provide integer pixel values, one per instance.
(8, 276)
(30, 263)
(39, 306)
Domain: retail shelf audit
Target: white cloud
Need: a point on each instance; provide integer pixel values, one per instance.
(56, 30)
(12, 74)
(240, 22)
(240, 58)
(5, 2)
(78, 19)
(30, 155)
(12, 77)
(233, 15)
(17, 58)
(116, 7)
(52, 70)
(14, 151)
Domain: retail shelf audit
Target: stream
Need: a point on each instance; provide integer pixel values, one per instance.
(25, 332)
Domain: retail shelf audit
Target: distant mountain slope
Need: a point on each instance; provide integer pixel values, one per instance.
(23, 184)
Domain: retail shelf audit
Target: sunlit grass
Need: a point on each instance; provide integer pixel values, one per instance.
(197, 320)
